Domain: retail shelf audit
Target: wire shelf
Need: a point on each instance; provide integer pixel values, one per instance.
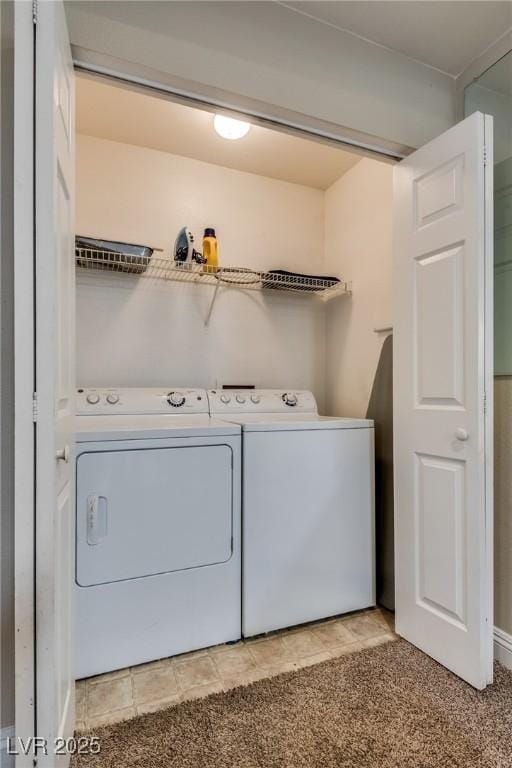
(161, 268)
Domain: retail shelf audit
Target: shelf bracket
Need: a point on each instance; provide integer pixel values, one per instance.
(212, 302)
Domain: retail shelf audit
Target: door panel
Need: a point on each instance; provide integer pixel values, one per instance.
(142, 512)
(442, 376)
(441, 525)
(438, 193)
(308, 532)
(440, 328)
(54, 296)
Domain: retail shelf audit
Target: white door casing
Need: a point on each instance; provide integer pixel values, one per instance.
(443, 398)
(55, 290)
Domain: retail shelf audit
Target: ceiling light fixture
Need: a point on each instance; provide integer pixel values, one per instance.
(229, 128)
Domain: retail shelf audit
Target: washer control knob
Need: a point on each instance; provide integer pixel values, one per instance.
(93, 398)
(112, 398)
(240, 399)
(290, 399)
(255, 399)
(225, 399)
(176, 399)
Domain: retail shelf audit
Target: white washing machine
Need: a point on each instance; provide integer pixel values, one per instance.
(307, 508)
(157, 527)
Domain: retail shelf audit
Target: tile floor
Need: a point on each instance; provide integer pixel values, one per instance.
(146, 688)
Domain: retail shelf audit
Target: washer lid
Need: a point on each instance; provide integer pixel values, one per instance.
(100, 428)
(284, 422)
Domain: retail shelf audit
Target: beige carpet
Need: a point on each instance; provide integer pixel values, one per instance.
(386, 707)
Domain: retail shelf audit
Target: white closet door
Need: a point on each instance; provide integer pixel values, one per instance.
(442, 379)
(55, 386)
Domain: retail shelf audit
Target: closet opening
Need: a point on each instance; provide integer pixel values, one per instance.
(211, 262)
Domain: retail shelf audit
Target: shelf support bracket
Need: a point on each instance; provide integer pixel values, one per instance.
(212, 302)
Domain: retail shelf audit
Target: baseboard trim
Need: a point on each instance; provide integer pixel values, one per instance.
(6, 761)
(503, 647)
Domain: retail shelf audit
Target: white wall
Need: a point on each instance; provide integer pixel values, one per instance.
(266, 52)
(358, 210)
(131, 332)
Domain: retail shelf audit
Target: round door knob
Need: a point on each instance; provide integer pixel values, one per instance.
(112, 398)
(461, 434)
(240, 399)
(93, 398)
(255, 399)
(289, 398)
(225, 399)
(63, 454)
(176, 399)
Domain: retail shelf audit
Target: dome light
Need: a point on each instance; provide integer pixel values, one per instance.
(229, 128)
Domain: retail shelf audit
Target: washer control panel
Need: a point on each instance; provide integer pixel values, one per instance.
(261, 401)
(103, 401)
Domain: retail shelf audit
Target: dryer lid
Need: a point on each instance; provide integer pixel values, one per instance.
(146, 427)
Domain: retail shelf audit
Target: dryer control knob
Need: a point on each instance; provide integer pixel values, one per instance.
(176, 399)
(240, 399)
(290, 399)
(225, 399)
(113, 398)
(255, 399)
(93, 398)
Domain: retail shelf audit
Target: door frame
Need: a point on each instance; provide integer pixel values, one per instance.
(139, 77)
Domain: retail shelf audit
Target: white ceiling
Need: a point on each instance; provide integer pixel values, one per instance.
(445, 34)
(109, 111)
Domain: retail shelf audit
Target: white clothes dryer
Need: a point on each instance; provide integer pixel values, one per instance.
(157, 527)
(307, 508)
